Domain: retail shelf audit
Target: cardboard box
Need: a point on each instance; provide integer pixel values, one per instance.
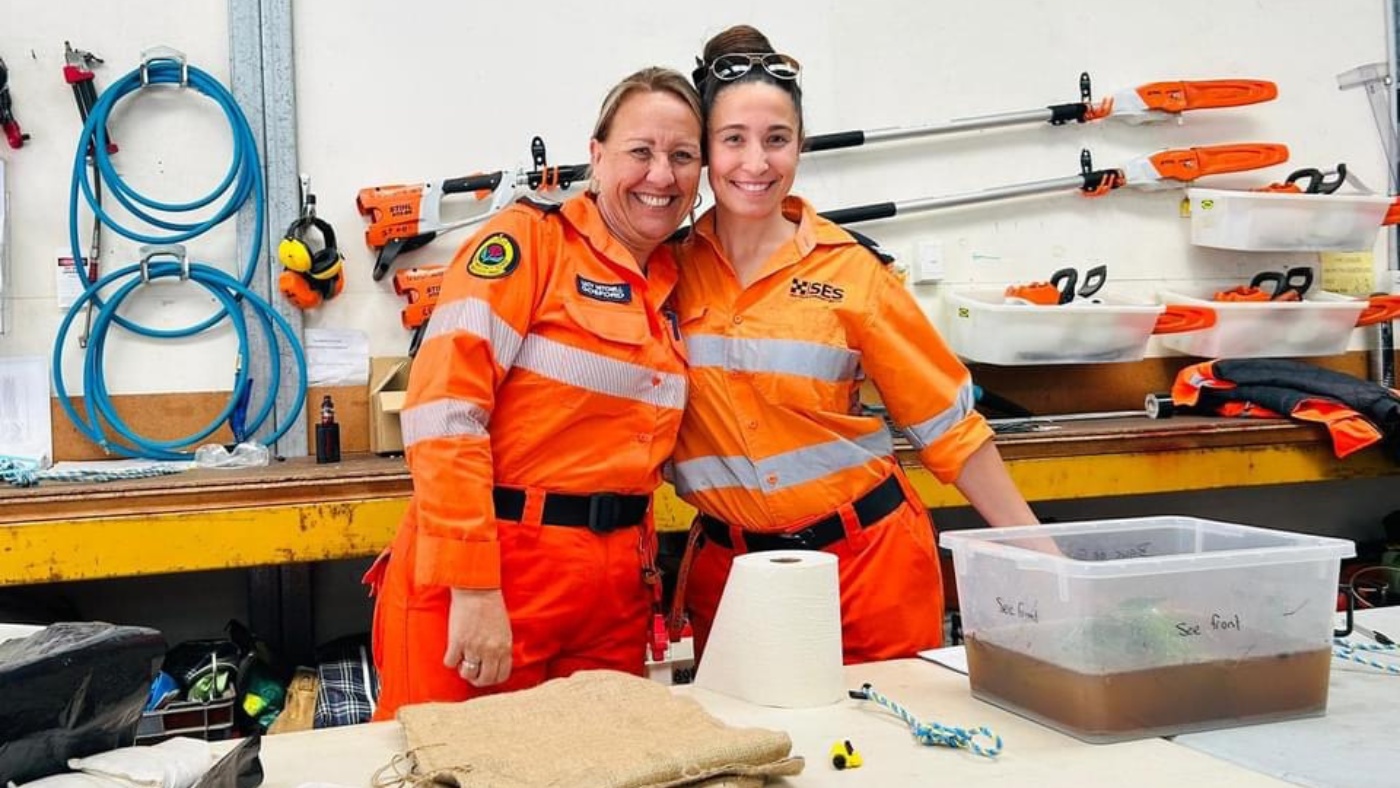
(388, 386)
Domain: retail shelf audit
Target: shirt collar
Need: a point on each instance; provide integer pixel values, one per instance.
(582, 214)
(812, 231)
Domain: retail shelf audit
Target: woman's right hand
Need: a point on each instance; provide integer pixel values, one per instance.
(478, 636)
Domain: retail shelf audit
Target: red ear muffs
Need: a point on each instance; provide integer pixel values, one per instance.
(306, 292)
(300, 289)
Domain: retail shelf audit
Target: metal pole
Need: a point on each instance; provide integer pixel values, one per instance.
(886, 210)
(852, 139)
(260, 50)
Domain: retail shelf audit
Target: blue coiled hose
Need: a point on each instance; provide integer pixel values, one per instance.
(243, 180)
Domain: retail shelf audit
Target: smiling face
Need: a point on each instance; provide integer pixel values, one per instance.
(647, 171)
(753, 148)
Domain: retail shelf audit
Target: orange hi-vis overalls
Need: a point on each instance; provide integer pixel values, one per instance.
(545, 396)
(775, 450)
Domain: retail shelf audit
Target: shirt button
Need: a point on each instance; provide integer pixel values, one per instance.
(738, 319)
(771, 480)
(644, 438)
(753, 425)
(656, 380)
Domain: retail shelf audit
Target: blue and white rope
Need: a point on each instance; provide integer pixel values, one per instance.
(1346, 650)
(24, 472)
(933, 734)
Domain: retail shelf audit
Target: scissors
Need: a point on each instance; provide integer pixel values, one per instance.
(1291, 285)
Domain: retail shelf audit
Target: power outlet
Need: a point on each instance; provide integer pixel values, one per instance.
(928, 263)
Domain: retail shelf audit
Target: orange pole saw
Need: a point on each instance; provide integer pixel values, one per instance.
(404, 217)
(1160, 170)
(1151, 103)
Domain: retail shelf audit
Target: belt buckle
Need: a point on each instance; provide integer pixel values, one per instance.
(801, 539)
(603, 512)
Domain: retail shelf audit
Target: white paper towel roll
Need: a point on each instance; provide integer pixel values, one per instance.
(776, 639)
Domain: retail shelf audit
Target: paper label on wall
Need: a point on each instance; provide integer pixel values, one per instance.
(1348, 273)
(25, 426)
(69, 287)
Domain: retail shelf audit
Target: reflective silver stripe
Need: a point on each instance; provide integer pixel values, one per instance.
(926, 432)
(594, 372)
(443, 418)
(474, 316)
(782, 470)
(711, 473)
(785, 356)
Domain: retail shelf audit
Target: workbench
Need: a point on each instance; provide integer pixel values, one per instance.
(296, 511)
(1351, 747)
(1032, 755)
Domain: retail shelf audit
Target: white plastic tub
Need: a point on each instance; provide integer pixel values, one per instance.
(1319, 325)
(1124, 629)
(1279, 222)
(980, 327)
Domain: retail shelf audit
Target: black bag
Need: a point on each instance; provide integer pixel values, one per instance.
(72, 690)
(240, 768)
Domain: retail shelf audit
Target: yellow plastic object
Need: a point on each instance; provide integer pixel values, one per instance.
(844, 756)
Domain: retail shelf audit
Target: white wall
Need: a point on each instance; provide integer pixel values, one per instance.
(394, 92)
(172, 147)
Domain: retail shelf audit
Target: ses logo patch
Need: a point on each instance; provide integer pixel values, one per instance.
(801, 288)
(495, 257)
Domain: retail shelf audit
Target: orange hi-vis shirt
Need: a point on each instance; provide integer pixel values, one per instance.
(773, 432)
(549, 362)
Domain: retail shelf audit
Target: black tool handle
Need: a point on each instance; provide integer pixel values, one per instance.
(835, 140)
(473, 183)
(1094, 279)
(1065, 280)
(862, 213)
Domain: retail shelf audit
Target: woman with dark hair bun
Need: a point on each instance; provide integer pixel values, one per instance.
(785, 315)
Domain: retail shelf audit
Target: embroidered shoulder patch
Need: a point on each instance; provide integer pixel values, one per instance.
(611, 292)
(495, 257)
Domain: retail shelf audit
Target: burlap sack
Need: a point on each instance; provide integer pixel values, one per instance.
(595, 729)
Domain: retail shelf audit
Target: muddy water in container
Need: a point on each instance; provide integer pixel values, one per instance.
(1123, 629)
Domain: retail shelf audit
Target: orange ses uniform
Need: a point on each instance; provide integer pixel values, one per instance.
(774, 449)
(544, 399)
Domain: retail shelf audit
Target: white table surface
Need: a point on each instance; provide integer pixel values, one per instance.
(1357, 745)
(1033, 755)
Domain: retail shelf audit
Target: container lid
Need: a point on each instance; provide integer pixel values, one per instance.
(1146, 545)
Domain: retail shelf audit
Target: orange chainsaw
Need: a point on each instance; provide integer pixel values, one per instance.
(1311, 180)
(404, 217)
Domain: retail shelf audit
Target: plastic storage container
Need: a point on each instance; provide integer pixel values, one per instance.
(1319, 325)
(980, 327)
(1148, 627)
(1279, 222)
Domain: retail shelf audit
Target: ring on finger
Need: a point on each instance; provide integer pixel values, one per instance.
(471, 664)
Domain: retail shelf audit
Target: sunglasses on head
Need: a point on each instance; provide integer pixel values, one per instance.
(727, 68)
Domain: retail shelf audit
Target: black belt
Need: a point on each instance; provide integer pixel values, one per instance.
(599, 512)
(870, 508)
